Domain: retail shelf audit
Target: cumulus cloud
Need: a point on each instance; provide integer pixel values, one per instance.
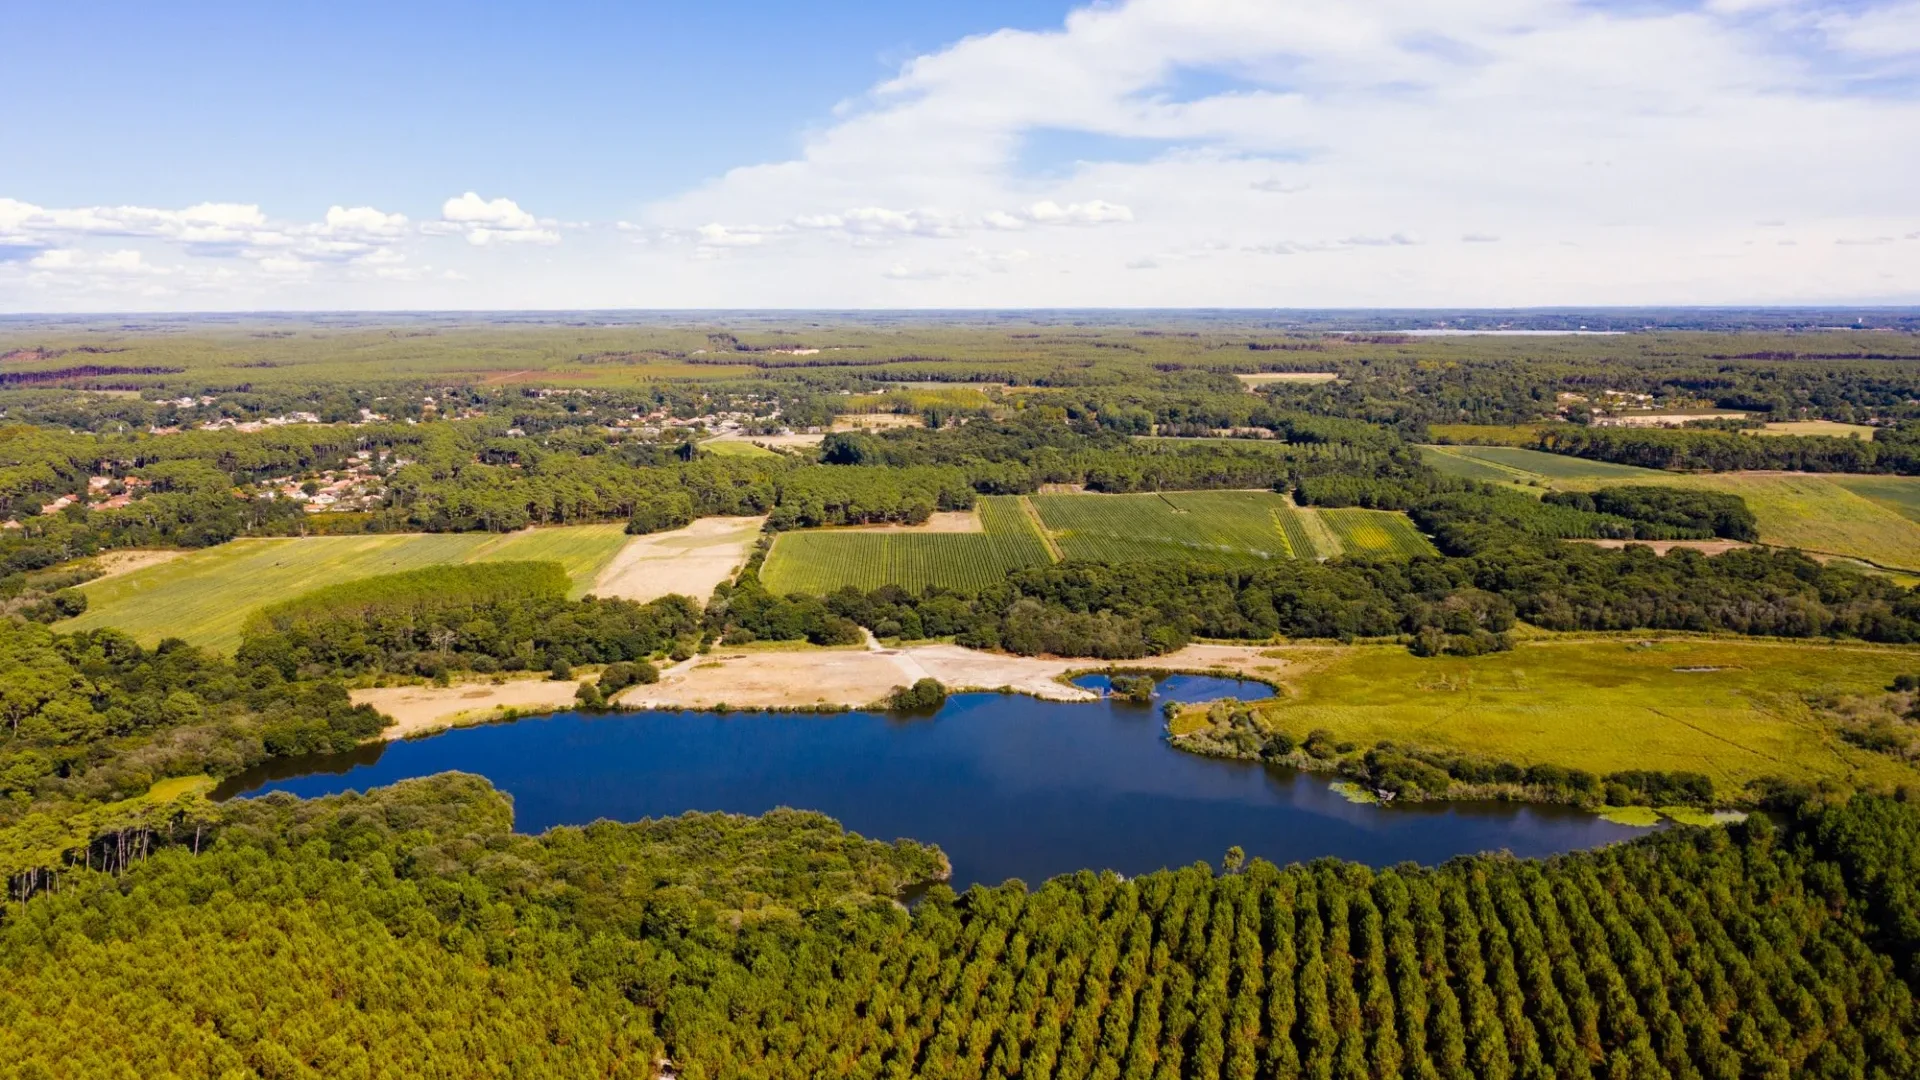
(1888, 31)
(212, 230)
(1617, 153)
(1581, 153)
(494, 221)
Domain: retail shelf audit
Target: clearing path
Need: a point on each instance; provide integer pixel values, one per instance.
(689, 561)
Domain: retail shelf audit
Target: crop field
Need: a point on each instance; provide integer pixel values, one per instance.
(1487, 434)
(1375, 533)
(1873, 519)
(1734, 710)
(1816, 427)
(1820, 514)
(822, 560)
(1522, 464)
(1232, 528)
(1900, 494)
(206, 596)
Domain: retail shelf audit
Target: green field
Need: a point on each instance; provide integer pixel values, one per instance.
(1734, 710)
(1900, 494)
(205, 597)
(1873, 519)
(1519, 464)
(1234, 528)
(736, 448)
(1375, 533)
(822, 560)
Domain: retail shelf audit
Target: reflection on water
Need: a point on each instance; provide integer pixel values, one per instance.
(1008, 786)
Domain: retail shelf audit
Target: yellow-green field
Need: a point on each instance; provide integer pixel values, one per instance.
(1734, 710)
(1874, 519)
(736, 448)
(1820, 514)
(206, 596)
(1816, 427)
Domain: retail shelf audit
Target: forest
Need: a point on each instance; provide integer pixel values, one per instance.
(409, 929)
(364, 935)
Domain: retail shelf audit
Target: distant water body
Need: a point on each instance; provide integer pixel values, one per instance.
(1008, 786)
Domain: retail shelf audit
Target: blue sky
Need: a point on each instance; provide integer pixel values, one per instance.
(599, 107)
(1002, 153)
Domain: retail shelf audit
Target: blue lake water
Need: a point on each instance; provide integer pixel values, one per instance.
(1009, 786)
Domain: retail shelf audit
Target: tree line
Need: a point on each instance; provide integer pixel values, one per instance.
(394, 928)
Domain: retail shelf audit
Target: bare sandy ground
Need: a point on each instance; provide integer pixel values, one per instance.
(1265, 377)
(417, 709)
(943, 521)
(689, 561)
(750, 678)
(115, 563)
(784, 678)
(800, 439)
(1661, 547)
(857, 421)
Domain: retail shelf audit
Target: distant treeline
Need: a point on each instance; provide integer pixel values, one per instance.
(1892, 450)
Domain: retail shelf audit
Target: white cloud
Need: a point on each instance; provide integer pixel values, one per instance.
(1096, 212)
(1892, 30)
(1619, 154)
(1616, 155)
(491, 221)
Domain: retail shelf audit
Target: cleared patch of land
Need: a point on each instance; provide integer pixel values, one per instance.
(420, 709)
(738, 446)
(1734, 710)
(205, 596)
(116, 563)
(871, 421)
(689, 561)
(775, 678)
(1816, 427)
(822, 560)
(941, 521)
(1267, 378)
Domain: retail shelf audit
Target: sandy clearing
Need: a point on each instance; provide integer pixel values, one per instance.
(855, 678)
(785, 678)
(689, 561)
(115, 563)
(1264, 377)
(943, 521)
(418, 709)
(1661, 547)
(859, 421)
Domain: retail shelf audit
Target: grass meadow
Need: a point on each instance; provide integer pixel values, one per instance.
(1734, 710)
(1872, 519)
(205, 597)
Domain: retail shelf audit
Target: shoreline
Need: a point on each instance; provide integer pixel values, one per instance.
(809, 679)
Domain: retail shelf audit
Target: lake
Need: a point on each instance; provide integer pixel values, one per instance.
(1009, 786)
